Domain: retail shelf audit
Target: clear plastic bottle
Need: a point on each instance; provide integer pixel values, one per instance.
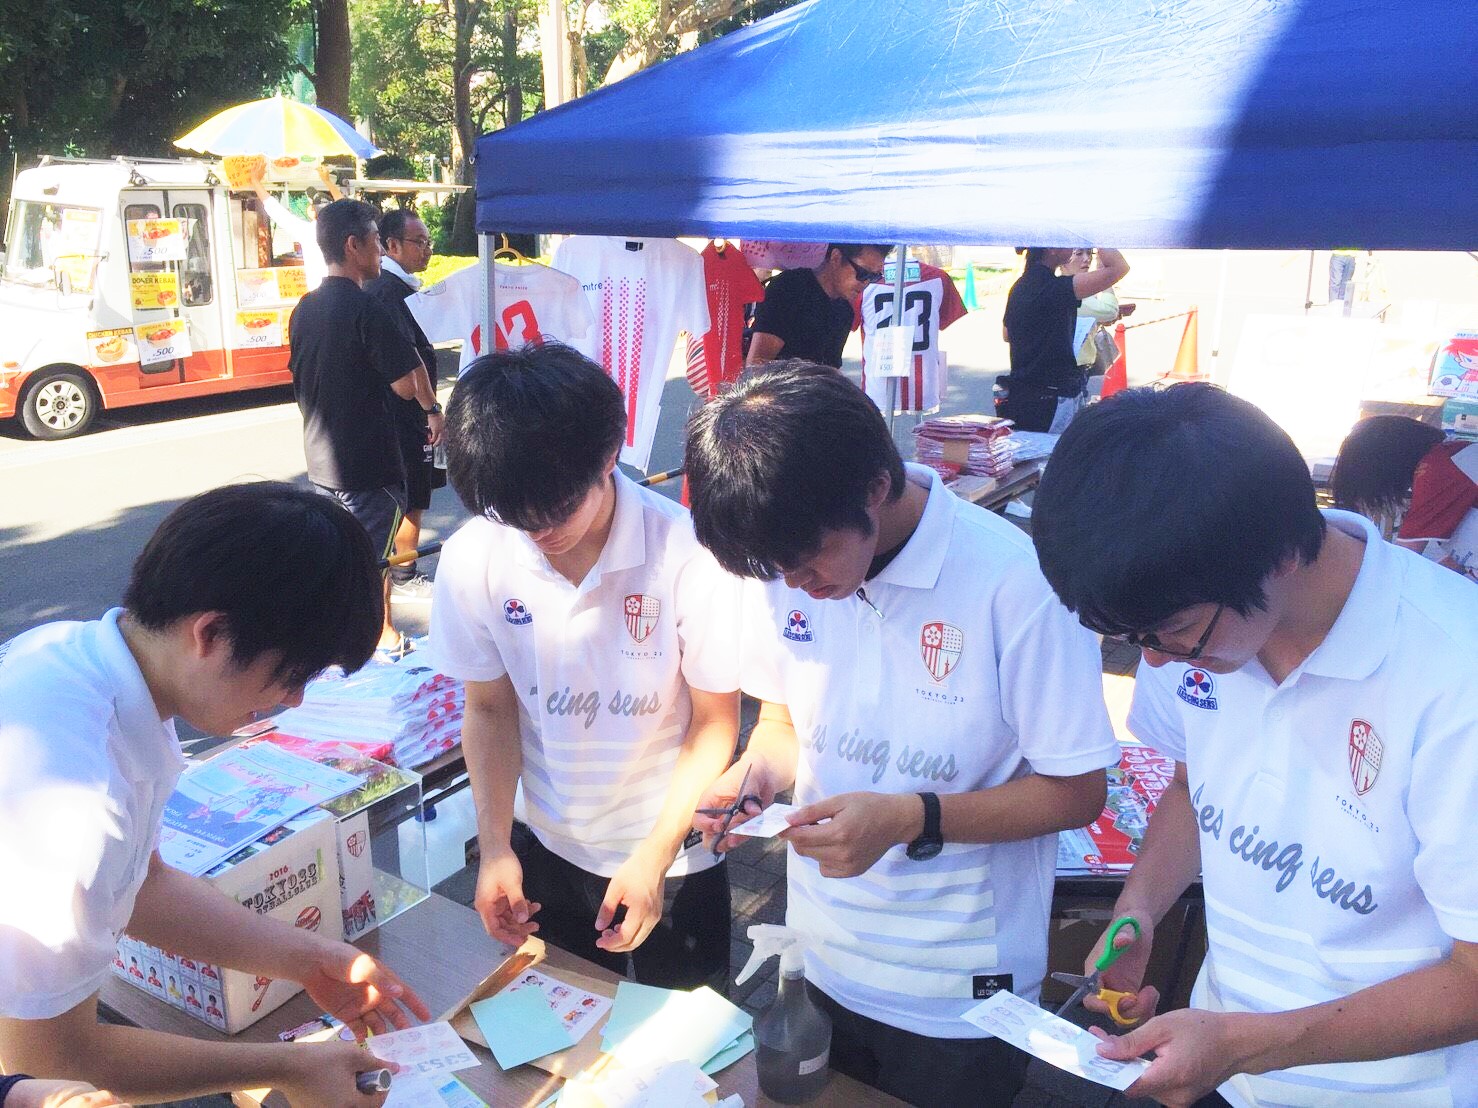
(792, 1036)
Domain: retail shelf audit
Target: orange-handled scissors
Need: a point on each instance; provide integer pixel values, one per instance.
(1092, 982)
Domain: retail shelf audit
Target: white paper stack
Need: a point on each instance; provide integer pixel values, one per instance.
(978, 445)
(405, 711)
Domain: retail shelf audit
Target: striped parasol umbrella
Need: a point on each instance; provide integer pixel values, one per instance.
(277, 127)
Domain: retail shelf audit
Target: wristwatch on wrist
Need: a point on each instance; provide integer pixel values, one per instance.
(435, 409)
(930, 842)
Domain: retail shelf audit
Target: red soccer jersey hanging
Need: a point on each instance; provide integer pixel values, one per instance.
(718, 359)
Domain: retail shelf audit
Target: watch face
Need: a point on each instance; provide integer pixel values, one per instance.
(921, 850)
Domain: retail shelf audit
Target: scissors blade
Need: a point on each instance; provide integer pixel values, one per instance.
(1078, 994)
(732, 811)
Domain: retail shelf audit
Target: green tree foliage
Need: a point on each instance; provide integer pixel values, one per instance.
(103, 77)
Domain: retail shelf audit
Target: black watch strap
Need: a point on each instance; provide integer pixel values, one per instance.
(435, 409)
(930, 841)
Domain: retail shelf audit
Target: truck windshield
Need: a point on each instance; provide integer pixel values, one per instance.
(47, 241)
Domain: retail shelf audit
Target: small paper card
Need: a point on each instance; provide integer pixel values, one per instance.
(431, 1092)
(1052, 1039)
(893, 351)
(767, 824)
(418, 1051)
(519, 1026)
(579, 1011)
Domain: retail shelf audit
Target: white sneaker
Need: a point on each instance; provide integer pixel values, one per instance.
(415, 591)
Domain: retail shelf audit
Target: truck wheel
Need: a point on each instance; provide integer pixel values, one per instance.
(59, 404)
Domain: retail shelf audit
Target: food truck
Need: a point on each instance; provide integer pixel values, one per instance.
(134, 281)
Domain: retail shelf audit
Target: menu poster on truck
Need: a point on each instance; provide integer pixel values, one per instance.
(152, 291)
(261, 287)
(256, 329)
(112, 347)
(157, 240)
(163, 341)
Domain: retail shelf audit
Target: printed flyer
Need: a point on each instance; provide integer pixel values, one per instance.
(256, 329)
(163, 341)
(152, 291)
(157, 240)
(112, 347)
(235, 798)
(1111, 842)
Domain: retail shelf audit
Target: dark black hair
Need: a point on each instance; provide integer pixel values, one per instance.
(340, 221)
(1033, 254)
(392, 224)
(850, 250)
(292, 572)
(530, 431)
(1377, 461)
(1157, 500)
(783, 457)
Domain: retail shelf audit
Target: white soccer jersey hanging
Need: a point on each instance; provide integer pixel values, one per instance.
(930, 303)
(643, 293)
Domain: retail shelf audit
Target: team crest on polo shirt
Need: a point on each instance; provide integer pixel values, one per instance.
(1366, 751)
(642, 612)
(517, 612)
(1197, 689)
(941, 644)
(797, 627)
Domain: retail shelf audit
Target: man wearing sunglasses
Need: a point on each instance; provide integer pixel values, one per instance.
(807, 313)
(1315, 687)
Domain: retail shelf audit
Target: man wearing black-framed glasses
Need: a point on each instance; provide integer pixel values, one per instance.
(1314, 685)
(407, 245)
(808, 313)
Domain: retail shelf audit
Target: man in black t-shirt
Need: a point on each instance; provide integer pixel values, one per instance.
(807, 313)
(347, 358)
(407, 246)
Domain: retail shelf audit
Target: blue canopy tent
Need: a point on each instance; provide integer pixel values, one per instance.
(1144, 123)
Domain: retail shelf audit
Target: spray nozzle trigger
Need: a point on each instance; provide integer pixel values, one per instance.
(770, 940)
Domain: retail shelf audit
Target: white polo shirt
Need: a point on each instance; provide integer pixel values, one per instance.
(1336, 816)
(602, 669)
(974, 675)
(86, 765)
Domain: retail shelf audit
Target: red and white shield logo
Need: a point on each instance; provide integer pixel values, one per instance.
(641, 615)
(941, 644)
(1366, 750)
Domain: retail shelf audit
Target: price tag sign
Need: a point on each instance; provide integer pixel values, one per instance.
(163, 341)
(892, 349)
(153, 291)
(157, 240)
(258, 329)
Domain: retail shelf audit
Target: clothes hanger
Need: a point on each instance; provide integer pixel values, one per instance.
(507, 252)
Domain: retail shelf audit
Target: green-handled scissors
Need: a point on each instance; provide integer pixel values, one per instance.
(1092, 982)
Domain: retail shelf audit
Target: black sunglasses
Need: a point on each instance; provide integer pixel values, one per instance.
(1150, 641)
(866, 276)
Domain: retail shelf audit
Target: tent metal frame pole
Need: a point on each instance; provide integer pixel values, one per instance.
(897, 322)
(489, 303)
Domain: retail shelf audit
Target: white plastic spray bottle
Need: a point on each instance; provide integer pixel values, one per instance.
(793, 1035)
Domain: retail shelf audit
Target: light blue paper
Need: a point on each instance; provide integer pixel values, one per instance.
(729, 1054)
(519, 1027)
(698, 1025)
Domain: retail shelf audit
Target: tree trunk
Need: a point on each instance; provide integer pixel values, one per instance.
(685, 21)
(331, 61)
(512, 88)
(465, 14)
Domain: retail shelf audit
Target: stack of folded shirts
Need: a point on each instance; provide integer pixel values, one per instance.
(404, 713)
(977, 445)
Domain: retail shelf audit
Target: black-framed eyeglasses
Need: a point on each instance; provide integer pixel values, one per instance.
(1150, 641)
(865, 275)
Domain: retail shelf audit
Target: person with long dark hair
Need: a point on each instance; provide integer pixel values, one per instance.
(1375, 466)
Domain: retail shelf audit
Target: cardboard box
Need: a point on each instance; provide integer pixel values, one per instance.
(292, 875)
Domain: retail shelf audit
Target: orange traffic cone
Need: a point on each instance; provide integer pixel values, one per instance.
(1117, 378)
(1187, 364)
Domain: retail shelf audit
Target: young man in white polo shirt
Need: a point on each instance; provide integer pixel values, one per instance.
(215, 628)
(925, 693)
(1316, 688)
(597, 642)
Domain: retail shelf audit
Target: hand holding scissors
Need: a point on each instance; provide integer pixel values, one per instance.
(1091, 984)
